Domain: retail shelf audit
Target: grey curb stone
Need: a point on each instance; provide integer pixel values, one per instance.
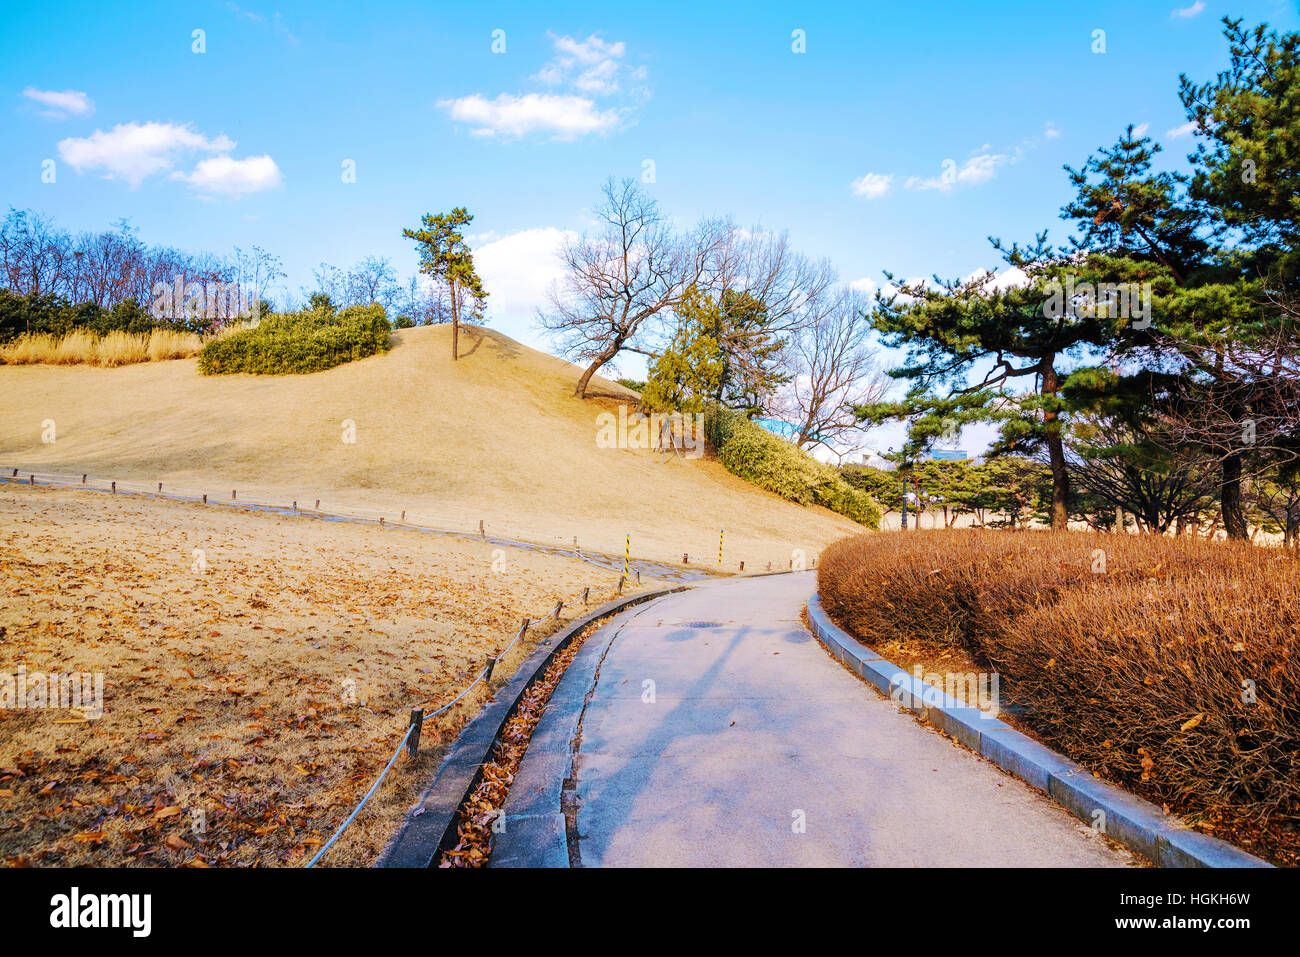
(537, 791)
(1138, 824)
(538, 841)
(429, 826)
(1180, 846)
(967, 725)
(1028, 760)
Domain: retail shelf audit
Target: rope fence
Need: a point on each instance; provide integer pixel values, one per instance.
(418, 521)
(410, 740)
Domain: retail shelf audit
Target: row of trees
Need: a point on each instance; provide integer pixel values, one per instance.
(109, 268)
(1006, 491)
(55, 280)
(724, 314)
(1013, 491)
(1168, 370)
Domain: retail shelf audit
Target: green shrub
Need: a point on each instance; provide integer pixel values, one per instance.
(773, 464)
(299, 342)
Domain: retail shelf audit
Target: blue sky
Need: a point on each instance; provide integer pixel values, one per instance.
(251, 135)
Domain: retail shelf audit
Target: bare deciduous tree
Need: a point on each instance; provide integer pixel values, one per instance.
(765, 292)
(834, 370)
(625, 276)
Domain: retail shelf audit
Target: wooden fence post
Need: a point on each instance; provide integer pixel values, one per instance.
(585, 592)
(491, 663)
(559, 606)
(413, 733)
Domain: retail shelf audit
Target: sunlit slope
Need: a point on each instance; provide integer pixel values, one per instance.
(497, 436)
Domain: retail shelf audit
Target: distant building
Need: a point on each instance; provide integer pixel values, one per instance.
(832, 453)
(779, 427)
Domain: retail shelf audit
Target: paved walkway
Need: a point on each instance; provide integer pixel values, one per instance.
(758, 749)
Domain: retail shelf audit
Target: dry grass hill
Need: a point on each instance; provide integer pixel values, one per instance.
(497, 436)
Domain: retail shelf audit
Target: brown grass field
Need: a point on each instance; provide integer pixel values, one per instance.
(225, 688)
(1167, 665)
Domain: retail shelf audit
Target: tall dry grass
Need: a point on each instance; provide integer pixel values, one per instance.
(82, 347)
(1173, 668)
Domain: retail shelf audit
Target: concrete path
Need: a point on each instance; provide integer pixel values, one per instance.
(716, 731)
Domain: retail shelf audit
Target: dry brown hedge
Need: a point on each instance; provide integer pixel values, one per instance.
(1139, 672)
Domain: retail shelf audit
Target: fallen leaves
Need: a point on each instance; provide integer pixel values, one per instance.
(482, 809)
(207, 711)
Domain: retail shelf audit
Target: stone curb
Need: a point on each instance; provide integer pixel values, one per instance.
(536, 833)
(430, 825)
(1164, 839)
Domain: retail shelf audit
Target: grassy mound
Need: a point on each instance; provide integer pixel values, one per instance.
(498, 436)
(771, 463)
(299, 342)
(1167, 665)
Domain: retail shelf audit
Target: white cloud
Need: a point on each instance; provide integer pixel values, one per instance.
(1141, 130)
(564, 117)
(1186, 13)
(134, 151)
(1184, 129)
(227, 176)
(61, 103)
(999, 281)
(1051, 131)
(980, 169)
(586, 69)
(591, 66)
(976, 170)
(519, 268)
(872, 185)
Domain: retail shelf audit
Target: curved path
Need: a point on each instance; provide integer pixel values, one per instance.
(749, 730)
